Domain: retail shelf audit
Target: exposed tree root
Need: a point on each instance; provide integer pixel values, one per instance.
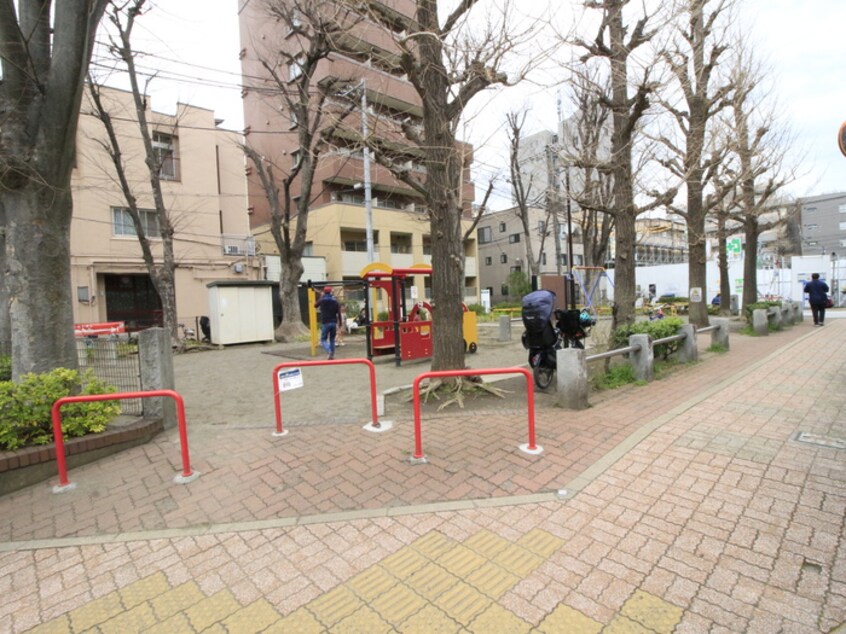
(456, 390)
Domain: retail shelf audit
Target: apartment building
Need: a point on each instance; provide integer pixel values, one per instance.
(503, 249)
(822, 224)
(204, 190)
(366, 63)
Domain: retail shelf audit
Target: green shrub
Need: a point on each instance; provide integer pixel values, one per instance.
(5, 368)
(747, 310)
(25, 407)
(657, 329)
(477, 308)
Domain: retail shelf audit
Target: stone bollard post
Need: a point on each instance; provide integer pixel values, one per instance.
(720, 336)
(504, 328)
(688, 352)
(642, 361)
(760, 322)
(572, 379)
(734, 305)
(774, 317)
(798, 312)
(156, 358)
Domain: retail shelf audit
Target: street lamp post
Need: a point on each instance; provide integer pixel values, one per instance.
(835, 284)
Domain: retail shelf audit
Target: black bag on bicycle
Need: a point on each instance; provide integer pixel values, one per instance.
(537, 308)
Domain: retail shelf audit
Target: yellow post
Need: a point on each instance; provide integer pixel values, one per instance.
(312, 322)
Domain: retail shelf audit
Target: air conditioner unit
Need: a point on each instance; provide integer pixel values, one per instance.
(232, 249)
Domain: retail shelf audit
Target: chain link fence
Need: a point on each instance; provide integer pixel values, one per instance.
(114, 360)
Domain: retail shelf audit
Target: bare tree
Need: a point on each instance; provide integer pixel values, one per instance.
(448, 63)
(612, 45)
(45, 52)
(521, 188)
(315, 116)
(692, 57)
(587, 149)
(122, 16)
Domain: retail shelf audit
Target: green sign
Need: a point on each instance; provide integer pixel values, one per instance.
(733, 246)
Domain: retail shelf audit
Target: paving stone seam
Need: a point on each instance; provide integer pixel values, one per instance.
(567, 491)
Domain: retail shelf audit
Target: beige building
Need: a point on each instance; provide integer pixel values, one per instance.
(204, 189)
(366, 62)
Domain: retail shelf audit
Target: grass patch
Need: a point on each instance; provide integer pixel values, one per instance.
(617, 376)
(718, 348)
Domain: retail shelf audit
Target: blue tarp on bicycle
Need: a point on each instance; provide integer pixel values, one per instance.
(537, 310)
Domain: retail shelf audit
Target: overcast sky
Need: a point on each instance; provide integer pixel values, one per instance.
(196, 43)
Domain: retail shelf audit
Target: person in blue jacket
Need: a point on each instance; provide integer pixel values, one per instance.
(330, 317)
(817, 291)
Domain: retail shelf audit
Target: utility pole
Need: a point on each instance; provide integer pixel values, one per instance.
(552, 200)
(368, 193)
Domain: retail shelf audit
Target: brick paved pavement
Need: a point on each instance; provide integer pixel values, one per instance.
(686, 505)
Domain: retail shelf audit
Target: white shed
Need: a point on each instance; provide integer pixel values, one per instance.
(241, 311)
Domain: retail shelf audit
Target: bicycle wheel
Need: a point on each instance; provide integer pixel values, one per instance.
(543, 375)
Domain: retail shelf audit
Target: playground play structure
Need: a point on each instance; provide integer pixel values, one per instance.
(405, 333)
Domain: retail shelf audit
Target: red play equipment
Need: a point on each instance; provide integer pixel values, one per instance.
(405, 334)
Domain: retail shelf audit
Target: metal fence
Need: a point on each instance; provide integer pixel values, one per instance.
(115, 361)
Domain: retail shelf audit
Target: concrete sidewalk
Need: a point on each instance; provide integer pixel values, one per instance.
(711, 501)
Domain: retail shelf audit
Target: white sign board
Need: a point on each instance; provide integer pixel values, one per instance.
(414, 293)
(289, 379)
(695, 294)
(486, 299)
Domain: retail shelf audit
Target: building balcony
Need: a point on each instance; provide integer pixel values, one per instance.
(383, 88)
(347, 169)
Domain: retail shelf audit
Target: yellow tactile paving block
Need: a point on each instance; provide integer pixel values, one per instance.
(404, 563)
(300, 621)
(460, 560)
(517, 560)
(652, 612)
(60, 625)
(498, 620)
(362, 621)
(176, 624)
(144, 590)
(179, 599)
(138, 619)
(567, 619)
(430, 620)
(622, 625)
(95, 612)
(431, 581)
(433, 544)
(463, 602)
(252, 619)
(492, 580)
(399, 603)
(541, 542)
(211, 610)
(335, 605)
(372, 582)
(486, 543)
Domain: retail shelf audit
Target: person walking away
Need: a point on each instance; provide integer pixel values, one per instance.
(817, 291)
(330, 312)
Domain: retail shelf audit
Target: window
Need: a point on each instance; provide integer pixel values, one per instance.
(543, 259)
(502, 227)
(809, 210)
(840, 208)
(843, 243)
(564, 259)
(503, 258)
(811, 227)
(503, 290)
(516, 269)
(579, 259)
(484, 235)
(843, 226)
(295, 68)
(164, 149)
(295, 159)
(122, 224)
(488, 261)
(294, 119)
(514, 238)
(541, 227)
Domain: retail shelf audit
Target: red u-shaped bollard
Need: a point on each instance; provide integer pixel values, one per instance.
(277, 400)
(56, 414)
(530, 448)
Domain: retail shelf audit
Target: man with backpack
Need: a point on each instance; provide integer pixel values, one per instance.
(330, 317)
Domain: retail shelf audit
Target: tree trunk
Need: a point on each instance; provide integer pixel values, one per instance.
(38, 277)
(750, 261)
(624, 271)
(5, 299)
(291, 327)
(725, 282)
(697, 277)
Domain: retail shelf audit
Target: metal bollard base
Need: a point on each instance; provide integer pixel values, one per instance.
(414, 460)
(525, 449)
(64, 488)
(384, 425)
(279, 434)
(181, 479)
